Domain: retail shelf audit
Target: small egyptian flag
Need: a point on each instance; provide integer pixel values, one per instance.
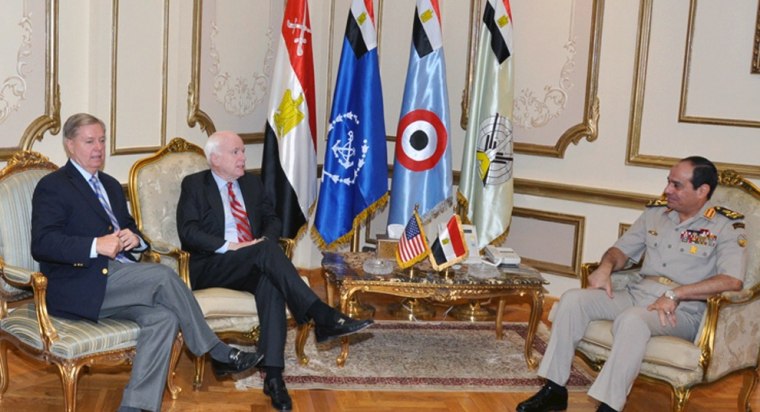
(449, 248)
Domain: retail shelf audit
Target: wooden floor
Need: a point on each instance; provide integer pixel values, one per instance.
(34, 387)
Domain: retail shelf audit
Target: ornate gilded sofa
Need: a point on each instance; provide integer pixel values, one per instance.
(70, 345)
(729, 339)
(154, 189)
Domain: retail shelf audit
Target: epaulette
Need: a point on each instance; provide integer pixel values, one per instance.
(657, 203)
(728, 213)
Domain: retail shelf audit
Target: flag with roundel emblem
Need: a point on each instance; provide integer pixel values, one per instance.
(422, 173)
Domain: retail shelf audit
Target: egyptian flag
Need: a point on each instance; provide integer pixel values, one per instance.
(485, 183)
(355, 173)
(289, 163)
(422, 168)
(449, 248)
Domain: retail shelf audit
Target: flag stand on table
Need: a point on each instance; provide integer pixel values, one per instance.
(449, 248)
(412, 246)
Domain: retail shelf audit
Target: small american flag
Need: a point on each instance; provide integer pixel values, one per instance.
(412, 247)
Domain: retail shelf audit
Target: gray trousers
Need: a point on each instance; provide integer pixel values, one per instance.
(153, 296)
(633, 325)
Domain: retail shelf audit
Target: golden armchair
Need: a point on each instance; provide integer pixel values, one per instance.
(154, 190)
(70, 345)
(729, 339)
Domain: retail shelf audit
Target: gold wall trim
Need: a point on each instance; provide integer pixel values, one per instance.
(50, 121)
(682, 116)
(756, 47)
(194, 113)
(587, 128)
(114, 83)
(582, 194)
(573, 267)
(633, 156)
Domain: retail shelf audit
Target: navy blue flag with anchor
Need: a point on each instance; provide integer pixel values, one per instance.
(355, 173)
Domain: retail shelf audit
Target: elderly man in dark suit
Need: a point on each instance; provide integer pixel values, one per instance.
(83, 236)
(229, 226)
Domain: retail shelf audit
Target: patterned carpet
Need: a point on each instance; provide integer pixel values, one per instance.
(422, 356)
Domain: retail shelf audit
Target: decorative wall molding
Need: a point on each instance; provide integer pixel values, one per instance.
(552, 259)
(682, 116)
(230, 100)
(13, 88)
(50, 120)
(633, 154)
(114, 149)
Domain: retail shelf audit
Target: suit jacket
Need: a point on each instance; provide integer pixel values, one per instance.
(200, 216)
(66, 217)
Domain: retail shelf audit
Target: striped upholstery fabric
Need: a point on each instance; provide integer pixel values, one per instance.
(15, 231)
(76, 338)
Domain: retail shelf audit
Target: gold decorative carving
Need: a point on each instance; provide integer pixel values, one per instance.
(682, 116)
(637, 105)
(194, 113)
(26, 160)
(535, 111)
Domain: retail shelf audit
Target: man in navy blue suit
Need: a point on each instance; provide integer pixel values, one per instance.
(83, 236)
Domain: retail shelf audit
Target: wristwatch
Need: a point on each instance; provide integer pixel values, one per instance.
(671, 295)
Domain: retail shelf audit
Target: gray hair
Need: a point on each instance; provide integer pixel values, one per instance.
(211, 147)
(75, 121)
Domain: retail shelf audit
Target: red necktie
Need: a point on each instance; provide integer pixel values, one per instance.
(241, 217)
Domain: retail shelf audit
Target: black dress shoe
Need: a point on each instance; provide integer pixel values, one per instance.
(603, 407)
(551, 397)
(342, 326)
(238, 361)
(275, 389)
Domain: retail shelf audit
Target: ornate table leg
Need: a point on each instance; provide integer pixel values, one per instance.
(345, 298)
(500, 318)
(536, 309)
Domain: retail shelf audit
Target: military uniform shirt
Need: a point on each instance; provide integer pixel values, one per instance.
(703, 246)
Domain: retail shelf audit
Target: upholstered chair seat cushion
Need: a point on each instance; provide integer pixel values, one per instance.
(661, 350)
(76, 338)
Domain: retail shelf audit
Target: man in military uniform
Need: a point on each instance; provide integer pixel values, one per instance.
(693, 250)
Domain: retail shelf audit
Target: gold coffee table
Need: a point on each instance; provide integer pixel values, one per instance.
(343, 272)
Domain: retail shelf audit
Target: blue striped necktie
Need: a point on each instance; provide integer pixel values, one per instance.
(96, 186)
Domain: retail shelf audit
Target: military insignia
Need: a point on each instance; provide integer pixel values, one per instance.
(738, 225)
(699, 237)
(652, 232)
(288, 115)
(742, 241)
(709, 213)
(657, 203)
(347, 162)
(729, 213)
(494, 153)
